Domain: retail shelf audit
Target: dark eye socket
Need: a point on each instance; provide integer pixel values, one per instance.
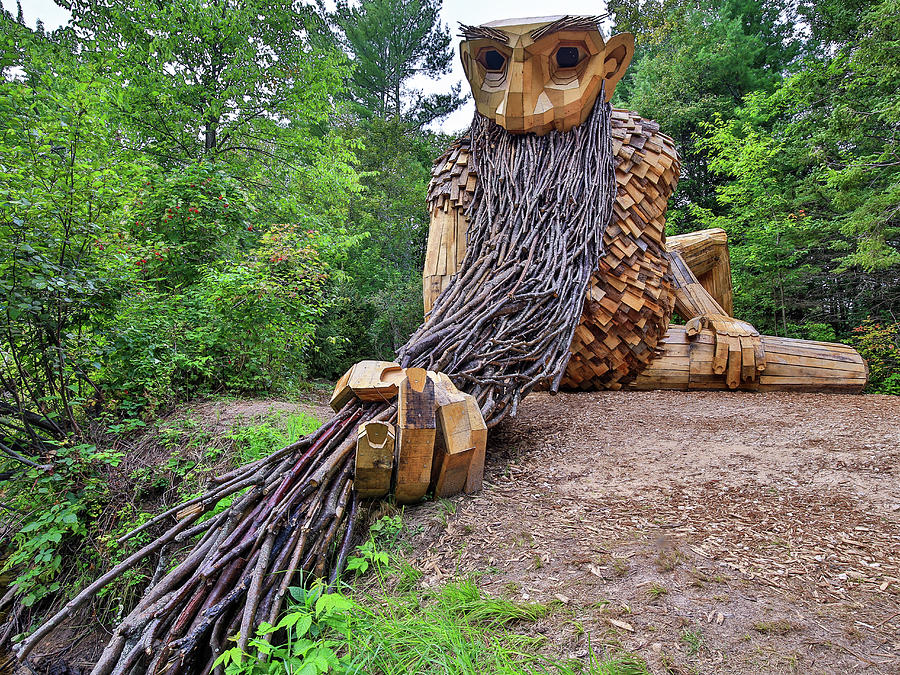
(567, 57)
(493, 60)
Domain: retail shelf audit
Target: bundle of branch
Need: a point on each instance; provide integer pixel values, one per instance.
(503, 326)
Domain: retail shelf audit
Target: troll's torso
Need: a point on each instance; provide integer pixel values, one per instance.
(629, 302)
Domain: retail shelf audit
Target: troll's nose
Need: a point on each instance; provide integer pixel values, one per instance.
(512, 106)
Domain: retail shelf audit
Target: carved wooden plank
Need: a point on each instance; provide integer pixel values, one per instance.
(453, 450)
(374, 459)
(368, 381)
(460, 442)
(417, 427)
(376, 380)
(478, 437)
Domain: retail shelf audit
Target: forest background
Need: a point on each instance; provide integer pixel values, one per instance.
(223, 197)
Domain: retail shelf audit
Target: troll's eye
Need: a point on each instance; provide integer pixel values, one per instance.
(492, 60)
(567, 57)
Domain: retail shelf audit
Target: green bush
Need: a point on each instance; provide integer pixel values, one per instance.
(246, 327)
(59, 506)
(185, 219)
(879, 344)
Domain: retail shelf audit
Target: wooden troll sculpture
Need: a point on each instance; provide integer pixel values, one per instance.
(545, 74)
(547, 266)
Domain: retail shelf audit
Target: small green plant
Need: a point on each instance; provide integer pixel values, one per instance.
(879, 344)
(656, 591)
(619, 566)
(369, 556)
(776, 627)
(316, 629)
(383, 534)
(693, 639)
(254, 441)
(669, 559)
(447, 510)
(387, 530)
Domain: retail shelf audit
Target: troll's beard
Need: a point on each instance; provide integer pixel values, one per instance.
(504, 323)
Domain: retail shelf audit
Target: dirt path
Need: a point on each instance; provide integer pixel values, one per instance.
(707, 532)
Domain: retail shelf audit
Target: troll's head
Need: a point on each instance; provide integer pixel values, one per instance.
(542, 73)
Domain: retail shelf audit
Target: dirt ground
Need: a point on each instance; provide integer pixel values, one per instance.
(706, 532)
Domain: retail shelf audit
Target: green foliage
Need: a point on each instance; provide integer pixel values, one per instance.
(696, 60)
(860, 146)
(186, 219)
(390, 41)
(195, 72)
(453, 629)
(255, 441)
(879, 344)
(58, 505)
(316, 628)
(379, 304)
(62, 177)
(787, 143)
(246, 327)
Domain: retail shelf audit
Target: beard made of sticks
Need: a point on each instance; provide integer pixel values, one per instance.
(504, 323)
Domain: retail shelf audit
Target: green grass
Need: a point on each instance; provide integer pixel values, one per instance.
(255, 441)
(693, 639)
(656, 591)
(460, 629)
(776, 627)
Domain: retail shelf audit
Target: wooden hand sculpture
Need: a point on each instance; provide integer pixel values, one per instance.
(438, 444)
(739, 353)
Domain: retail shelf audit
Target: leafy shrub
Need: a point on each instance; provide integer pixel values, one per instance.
(58, 504)
(316, 628)
(811, 330)
(879, 344)
(187, 218)
(246, 327)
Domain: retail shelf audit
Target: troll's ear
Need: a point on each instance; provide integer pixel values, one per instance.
(619, 50)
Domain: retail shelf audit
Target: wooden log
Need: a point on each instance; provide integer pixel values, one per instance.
(374, 459)
(368, 381)
(417, 428)
(791, 365)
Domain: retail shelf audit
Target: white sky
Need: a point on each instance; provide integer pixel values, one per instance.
(467, 11)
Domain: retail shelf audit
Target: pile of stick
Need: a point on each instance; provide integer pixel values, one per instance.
(502, 327)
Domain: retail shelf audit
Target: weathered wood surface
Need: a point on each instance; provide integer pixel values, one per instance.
(461, 440)
(368, 381)
(706, 254)
(374, 459)
(417, 426)
(640, 280)
(791, 365)
(525, 89)
(441, 430)
(531, 250)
